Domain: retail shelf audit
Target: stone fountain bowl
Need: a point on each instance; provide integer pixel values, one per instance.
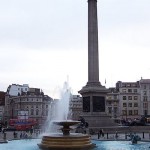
(66, 123)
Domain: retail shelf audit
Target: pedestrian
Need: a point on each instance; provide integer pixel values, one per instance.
(14, 134)
(116, 135)
(102, 133)
(4, 137)
(98, 134)
(21, 135)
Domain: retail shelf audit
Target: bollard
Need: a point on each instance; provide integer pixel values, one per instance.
(143, 135)
(125, 135)
(4, 137)
(107, 135)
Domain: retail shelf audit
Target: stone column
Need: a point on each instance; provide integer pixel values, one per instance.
(93, 58)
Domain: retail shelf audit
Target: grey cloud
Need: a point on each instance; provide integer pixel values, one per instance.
(37, 24)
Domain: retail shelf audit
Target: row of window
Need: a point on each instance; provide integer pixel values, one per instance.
(130, 98)
(130, 112)
(130, 104)
(30, 99)
(130, 85)
(37, 112)
(112, 97)
(129, 90)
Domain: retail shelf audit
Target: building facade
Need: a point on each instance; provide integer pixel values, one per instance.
(75, 107)
(31, 103)
(145, 97)
(112, 104)
(129, 98)
(2, 105)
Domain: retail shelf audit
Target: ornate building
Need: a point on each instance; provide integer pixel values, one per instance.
(32, 104)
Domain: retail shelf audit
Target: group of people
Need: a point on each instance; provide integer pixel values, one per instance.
(100, 133)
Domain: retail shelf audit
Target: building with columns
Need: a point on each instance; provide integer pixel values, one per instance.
(33, 102)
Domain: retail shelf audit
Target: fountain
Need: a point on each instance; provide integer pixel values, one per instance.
(65, 139)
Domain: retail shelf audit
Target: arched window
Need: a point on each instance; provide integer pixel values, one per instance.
(37, 112)
(32, 111)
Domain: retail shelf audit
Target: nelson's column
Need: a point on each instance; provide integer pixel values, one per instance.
(94, 94)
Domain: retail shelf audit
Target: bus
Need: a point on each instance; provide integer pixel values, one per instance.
(22, 124)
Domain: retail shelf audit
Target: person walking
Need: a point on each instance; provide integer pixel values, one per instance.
(102, 133)
(116, 135)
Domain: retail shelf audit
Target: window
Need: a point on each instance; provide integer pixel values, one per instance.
(145, 98)
(134, 85)
(109, 110)
(109, 103)
(128, 85)
(135, 90)
(124, 104)
(135, 104)
(115, 103)
(130, 104)
(37, 112)
(115, 110)
(124, 90)
(109, 97)
(32, 112)
(46, 112)
(46, 106)
(124, 112)
(130, 112)
(145, 105)
(129, 90)
(115, 97)
(124, 98)
(135, 97)
(123, 85)
(144, 93)
(135, 112)
(145, 112)
(129, 97)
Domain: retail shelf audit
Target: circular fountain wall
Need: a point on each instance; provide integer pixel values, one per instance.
(66, 140)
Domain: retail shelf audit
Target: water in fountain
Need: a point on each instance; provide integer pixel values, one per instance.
(58, 109)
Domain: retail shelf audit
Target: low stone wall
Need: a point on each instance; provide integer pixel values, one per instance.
(120, 129)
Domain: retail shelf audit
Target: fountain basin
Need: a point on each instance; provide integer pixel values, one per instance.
(66, 140)
(69, 142)
(31, 144)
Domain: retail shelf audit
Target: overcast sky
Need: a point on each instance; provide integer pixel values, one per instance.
(43, 43)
